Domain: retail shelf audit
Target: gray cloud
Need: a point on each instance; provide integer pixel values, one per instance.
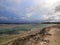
(33, 9)
(57, 9)
(3, 18)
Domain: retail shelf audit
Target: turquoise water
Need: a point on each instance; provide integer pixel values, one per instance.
(18, 28)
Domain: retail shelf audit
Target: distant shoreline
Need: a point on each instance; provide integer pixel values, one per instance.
(34, 23)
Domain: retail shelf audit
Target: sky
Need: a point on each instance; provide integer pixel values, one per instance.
(21, 11)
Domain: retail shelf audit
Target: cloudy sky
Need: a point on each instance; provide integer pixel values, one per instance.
(20, 11)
